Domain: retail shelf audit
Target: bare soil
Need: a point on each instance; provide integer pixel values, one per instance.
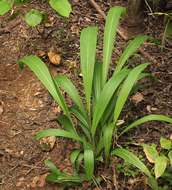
(26, 107)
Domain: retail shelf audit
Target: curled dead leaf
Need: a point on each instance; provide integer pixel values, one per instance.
(54, 58)
(138, 97)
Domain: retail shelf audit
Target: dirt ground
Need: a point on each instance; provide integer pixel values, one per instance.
(26, 107)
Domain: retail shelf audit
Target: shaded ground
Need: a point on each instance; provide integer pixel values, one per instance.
(25, 107)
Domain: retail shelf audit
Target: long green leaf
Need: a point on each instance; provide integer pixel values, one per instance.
(89, 163)
(152, 117)
(74, 110)
(106, 96)
(97, 80)
(43, 74)
(132, 159)
(66, 123)
(112, 21)
(52, 167)
(129, 51)
(88, 41)
(66, 84)
(73, 157)
(126, 88)
(107, 139)
(57, 133)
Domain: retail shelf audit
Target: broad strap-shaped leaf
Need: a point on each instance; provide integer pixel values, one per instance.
(88, 41)
(126, 89)
(160, 165)
(151, 117)
(52, 167)
(107, 139)
(73, 157)
(112, 21)
(63, 7)
(57, 133)
(89, 163)
(150, 152)
(132, 159)
(105, 97)
(129, 51)
(97, 80)
(66, 123)
(66, 84)
(43, 74)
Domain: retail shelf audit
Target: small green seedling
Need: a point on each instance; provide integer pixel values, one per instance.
(33, 17)
(161, 160)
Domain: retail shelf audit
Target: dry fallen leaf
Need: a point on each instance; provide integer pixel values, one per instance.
(54, 58)
(138, 97)
(47, 143)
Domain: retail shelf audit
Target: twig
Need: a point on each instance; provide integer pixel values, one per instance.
(122, 33)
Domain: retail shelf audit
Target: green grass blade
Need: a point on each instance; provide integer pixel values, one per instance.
(107, 139)
(152, 117)
(88, 41)
(57, 133)
(132, 159)
(66, 123)
(66, 84)
(105, 97)
(126, 88)
(89, 163)
(43, 74)
(129, 51)
(112, 21)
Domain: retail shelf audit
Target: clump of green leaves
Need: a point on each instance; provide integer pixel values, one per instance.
(98, 112)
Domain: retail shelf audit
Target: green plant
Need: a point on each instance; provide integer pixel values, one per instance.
(34, 17)
(97, 115)
(161, 160)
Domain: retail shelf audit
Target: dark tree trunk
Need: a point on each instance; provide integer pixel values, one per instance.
(135, 17)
